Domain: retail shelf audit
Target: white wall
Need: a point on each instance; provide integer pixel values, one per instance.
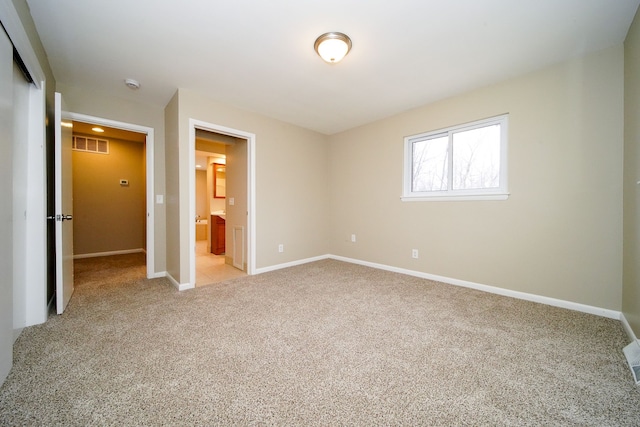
(631, 275)
(558, 235)
(172, 200)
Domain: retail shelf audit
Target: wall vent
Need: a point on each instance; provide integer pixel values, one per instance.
(91, 145)
(632, 353)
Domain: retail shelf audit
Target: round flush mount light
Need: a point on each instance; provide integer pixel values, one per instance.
(132, 84)
(333, 46)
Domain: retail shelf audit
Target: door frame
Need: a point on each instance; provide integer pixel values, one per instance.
(150, 192)
(251, 217)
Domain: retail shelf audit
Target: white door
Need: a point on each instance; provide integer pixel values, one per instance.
(64, 208)
(6, 207)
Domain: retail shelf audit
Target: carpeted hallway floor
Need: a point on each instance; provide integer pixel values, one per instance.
(327, 343)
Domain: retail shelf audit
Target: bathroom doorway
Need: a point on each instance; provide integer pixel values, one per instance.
(216, 176)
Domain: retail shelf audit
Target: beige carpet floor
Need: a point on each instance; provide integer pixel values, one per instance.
(327, 343)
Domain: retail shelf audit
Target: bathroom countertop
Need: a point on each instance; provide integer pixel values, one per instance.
(221, 214)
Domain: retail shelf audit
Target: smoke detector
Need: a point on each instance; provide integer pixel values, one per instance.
(132, 84)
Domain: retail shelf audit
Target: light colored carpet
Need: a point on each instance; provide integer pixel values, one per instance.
(327, 343)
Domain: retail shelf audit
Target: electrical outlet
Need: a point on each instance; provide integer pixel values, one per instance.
(414, 253)
(280, 247)
(353, 238)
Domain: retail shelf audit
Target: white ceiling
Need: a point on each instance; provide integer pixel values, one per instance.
(258, 55)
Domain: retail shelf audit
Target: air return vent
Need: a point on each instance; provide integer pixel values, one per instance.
(91, 145)
(632, 353)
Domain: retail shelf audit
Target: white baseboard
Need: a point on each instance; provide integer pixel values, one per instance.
(290, 264)
(16, 334)
(598, 311)
(110, 253)
(179, 286)
(627, 329)
(611, 314)
(157, 275)
(603, 312)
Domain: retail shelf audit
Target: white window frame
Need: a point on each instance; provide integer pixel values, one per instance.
(496, 193)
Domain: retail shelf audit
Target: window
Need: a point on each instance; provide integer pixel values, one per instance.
(466, 162)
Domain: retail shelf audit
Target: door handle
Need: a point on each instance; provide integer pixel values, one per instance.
(61, 217)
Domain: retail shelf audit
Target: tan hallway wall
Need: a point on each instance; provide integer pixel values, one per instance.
(108, 216)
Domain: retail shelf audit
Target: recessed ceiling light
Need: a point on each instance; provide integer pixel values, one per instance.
(97, 129)
(66, 124)
(198, 166)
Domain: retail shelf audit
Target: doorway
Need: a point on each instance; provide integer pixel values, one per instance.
(109, 186)
(213, 250)
(145, 136)
(233, 210)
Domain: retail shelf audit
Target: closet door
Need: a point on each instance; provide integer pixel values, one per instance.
(6, 207)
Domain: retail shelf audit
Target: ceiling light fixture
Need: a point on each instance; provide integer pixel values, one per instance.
(333, 46)
(132, 84)
(97, 129)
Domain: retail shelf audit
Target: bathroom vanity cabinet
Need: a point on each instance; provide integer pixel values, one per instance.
(217, 235)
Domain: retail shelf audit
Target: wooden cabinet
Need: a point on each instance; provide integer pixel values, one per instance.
(217, 235)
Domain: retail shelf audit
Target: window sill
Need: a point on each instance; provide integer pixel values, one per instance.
(456, 198)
